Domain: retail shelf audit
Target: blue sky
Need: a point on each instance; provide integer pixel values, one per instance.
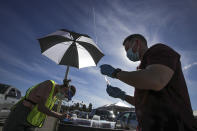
(108, 22)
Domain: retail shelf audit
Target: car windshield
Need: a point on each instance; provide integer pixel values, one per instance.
(102, 112)
(3, 88)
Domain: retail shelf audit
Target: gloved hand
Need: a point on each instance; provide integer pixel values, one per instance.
(115, 92)
(66, 82)
(107, 70)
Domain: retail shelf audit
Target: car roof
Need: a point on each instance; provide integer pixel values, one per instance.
(1, 84)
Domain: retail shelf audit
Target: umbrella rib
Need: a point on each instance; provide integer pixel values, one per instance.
(73, 45)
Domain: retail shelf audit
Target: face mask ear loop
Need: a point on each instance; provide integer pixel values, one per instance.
(131, 41)
(138, 45)
(136, 42)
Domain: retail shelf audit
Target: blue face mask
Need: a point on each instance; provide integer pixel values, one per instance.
(70, 94)
(62, 96)
(133, 56)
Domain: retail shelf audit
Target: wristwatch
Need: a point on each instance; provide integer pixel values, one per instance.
(116, 71)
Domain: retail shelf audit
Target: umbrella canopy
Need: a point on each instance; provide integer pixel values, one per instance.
(69, 48)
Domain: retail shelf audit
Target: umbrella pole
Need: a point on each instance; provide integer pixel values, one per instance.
(66, 75)
(60, 101)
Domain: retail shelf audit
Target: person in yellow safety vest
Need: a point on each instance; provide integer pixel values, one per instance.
(30, 112)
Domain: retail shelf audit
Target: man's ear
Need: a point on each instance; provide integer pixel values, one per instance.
(139, 42)
(136, 46)
(65, 89)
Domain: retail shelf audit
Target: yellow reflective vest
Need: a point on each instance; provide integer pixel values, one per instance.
(35, 117)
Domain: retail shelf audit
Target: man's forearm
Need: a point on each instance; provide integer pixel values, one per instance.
(130, 100)
(46, 111)
(54, 114)
(141, 79)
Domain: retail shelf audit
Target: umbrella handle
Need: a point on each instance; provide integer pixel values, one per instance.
(60, 101)
(66, 81)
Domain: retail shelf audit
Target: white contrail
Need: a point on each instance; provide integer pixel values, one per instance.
(189, 66)
(94, 18)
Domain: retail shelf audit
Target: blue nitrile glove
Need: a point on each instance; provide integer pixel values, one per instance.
(107, 70)
(115, 92)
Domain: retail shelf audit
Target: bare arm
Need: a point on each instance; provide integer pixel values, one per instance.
(45, 110)
(154, 77)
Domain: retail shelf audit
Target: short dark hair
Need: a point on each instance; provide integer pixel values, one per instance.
(133, 36)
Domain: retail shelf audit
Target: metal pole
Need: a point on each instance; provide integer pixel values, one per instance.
(60, 101)
(66, 75)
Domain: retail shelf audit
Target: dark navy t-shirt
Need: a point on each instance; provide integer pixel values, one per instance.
(155, 108)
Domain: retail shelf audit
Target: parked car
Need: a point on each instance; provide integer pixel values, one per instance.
(8, 97)
(104, 114)
(77, 112)
(126, 120)
(83, 115)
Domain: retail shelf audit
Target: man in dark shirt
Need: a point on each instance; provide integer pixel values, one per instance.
(161, 97)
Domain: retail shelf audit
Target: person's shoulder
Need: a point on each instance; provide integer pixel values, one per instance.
(46, 84)
(160, 48)
(43, 89)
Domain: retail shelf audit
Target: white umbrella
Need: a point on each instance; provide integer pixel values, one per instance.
(69, 48)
